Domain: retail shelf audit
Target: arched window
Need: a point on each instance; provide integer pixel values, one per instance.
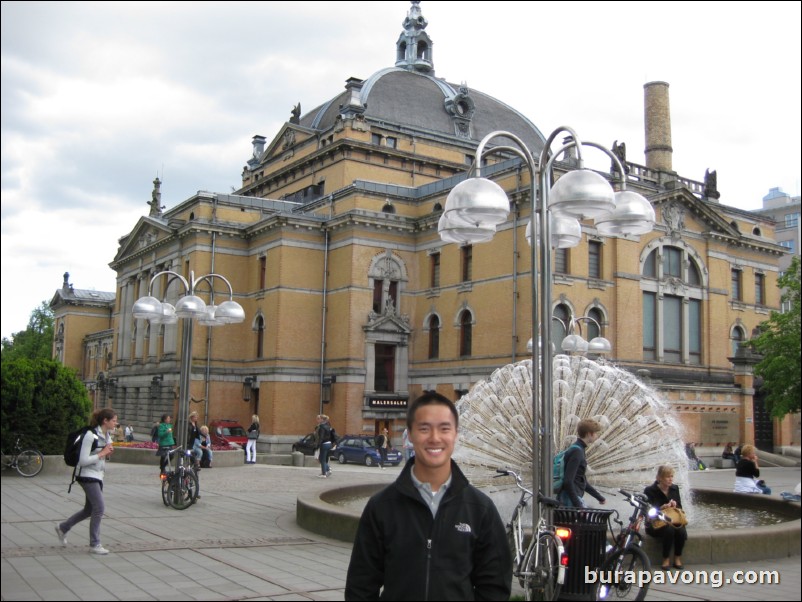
(465, 333)
(737, 336)
(260, 337)
(594, 325)
(387, 273)
(434, 337)
(673, 292)
(560, 325)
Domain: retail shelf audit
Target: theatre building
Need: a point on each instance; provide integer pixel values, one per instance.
(354, 304)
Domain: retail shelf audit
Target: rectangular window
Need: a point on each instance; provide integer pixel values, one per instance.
(672, 329)
(561, 261)
(377, 296)
(649, 326)
(467, 263)
(391, 142)
(760, 291)
(262, 271)
(376, 139)
(672, 262)
(736, 285)
(594, 259)
(435, 270)
(695, 331)
(791, 220)
(384, 380)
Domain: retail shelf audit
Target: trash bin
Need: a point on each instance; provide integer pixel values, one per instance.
(586, 548)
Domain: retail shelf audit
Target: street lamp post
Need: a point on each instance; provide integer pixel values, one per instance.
(475, 207)
(190, 308)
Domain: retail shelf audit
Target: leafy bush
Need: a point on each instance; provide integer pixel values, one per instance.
(43, 401)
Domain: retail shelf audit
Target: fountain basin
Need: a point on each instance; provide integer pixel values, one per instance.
(328, 513)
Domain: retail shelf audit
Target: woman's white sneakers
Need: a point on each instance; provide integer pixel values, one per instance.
(98, 549)
(62, 536)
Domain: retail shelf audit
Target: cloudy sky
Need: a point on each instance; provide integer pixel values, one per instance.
(99, 98)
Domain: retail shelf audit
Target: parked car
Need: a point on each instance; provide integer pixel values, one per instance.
(227, 432)
(362, 450)
(306, 445)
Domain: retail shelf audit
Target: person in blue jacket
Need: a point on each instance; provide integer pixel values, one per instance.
(430, 535)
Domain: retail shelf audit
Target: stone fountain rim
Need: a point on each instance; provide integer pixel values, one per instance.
(317, 513)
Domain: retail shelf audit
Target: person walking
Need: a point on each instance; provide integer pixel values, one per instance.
(166, 440)
(407, 446)
(575, 483)
(96, 446)
(431, 535)
(382, 442)
(253, 435)
(129, 433)
(323, 444)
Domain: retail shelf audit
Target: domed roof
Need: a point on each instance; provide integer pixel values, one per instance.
(420, 102)
(410, 98)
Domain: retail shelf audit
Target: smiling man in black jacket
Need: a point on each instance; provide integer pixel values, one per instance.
(430, 535)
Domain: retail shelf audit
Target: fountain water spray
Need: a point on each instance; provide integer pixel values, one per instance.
(640, 431)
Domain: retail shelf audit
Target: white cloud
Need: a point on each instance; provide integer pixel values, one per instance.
(99, 98)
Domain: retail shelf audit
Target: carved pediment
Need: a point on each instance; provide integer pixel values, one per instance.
(146, 232)
(388, 323)
(285, 141)
(679, 210)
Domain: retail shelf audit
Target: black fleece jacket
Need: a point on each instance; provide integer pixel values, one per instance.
(461, 554)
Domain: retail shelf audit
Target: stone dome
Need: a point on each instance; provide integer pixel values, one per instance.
(409, 97)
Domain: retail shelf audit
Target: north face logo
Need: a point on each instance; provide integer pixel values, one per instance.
(463, 527)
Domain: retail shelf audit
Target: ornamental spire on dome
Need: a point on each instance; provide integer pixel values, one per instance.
(414, 47)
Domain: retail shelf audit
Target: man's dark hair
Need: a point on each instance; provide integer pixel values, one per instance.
(431, 398)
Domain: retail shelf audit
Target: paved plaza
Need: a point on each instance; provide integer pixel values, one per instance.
(239, 542)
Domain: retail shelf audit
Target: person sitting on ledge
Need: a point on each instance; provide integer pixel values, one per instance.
(663, 494)
(728, 454)
(747, 473)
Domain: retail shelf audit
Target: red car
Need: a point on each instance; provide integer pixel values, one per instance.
(228, 432)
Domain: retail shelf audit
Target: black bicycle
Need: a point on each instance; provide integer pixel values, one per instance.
(624, 556)
(27, 462)
(180, 486)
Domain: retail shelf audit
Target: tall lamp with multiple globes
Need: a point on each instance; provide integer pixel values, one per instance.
(190, 308)
(475, 207)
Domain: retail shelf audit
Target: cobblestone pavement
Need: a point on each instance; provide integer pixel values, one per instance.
(239, 542)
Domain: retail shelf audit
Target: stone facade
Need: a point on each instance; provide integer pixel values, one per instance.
(331, 246)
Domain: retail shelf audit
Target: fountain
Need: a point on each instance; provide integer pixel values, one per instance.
(639, 433)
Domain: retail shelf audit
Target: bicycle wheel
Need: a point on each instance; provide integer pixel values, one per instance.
(630, 560)
(182, 490)
(542, 567)
(30, 463)
(166, 491)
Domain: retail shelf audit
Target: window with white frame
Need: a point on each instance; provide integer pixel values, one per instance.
(672, 288)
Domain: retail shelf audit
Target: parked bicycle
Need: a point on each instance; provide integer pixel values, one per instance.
(180, 485)
(540, 565)
(27, 462)
(625, 553)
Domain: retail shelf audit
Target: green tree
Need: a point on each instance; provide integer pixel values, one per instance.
(42, 400)
(779, 343)
(36, 341)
